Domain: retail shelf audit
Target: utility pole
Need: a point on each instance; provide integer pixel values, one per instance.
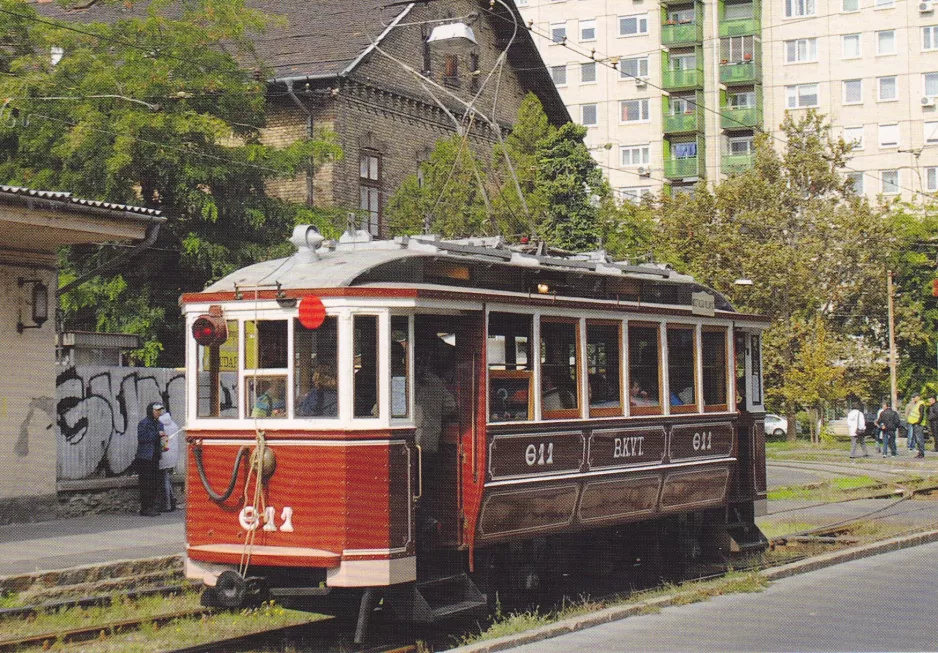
(892, 340)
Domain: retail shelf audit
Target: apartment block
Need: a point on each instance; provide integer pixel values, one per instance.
(673, 91)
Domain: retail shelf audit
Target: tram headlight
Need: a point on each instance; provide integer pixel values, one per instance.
(210, 330)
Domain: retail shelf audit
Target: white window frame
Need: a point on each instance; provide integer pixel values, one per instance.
(879, 88)
(804, 50)
(843, 8)
(888, 135)
(857, 176)
(553, 75)
(595, 107)
(882, 182)
(931, 179)
(843, 46)
(642, 63)
(931, 139)
(806, 8)
(847, 102)
(794, 92)
(895, 43)
(584, 25)
(634, 194)
(644, 155)
(884, 4)
(925, 85)
(858, 143)
(641, 20)
(586, 66)
(643, 102)
(553, 29)
(736, 140)
(932, 31)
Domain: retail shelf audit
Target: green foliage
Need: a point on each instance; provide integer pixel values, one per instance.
(149, 110)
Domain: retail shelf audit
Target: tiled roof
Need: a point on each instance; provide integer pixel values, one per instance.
(68, 198)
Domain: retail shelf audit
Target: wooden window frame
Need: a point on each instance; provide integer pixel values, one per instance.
(646, 410)
(375, 184)
(684, 409)
(609, 411)
(716, 408)
(512, 374)
(563, 413)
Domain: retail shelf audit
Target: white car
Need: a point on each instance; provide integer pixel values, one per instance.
(775, 425)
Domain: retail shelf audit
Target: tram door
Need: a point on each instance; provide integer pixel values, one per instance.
(446, 381)
(749, 405)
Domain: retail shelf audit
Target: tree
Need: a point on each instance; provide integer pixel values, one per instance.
(151, 110)
(792, 225)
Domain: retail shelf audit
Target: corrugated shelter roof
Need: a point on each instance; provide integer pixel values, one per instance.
(68, 198)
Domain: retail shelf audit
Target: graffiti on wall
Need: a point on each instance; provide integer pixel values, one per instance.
(97, 410)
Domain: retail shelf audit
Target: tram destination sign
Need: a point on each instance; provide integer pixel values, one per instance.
(701, 303)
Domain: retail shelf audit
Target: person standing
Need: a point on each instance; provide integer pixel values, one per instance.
(169, 456)
(916, 417)
(887, 421)
(147, 460)
(933, 420)
(856, 426)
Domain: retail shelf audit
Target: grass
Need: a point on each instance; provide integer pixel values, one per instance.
(835, 489)
(683, 594)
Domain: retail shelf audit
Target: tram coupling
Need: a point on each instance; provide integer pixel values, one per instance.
(233, 591)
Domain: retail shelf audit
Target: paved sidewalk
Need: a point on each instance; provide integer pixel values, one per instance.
(66, 543)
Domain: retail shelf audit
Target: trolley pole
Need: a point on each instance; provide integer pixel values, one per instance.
(892, 340)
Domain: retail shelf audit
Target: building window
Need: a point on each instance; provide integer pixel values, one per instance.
(738, 11)
(559, 75)
(853, 91)
(888, 92)
(588, 30)
(588, 115)
(741, 99)
(558, 32)
(850, 46)
(800, 50)
(854, 136)
(737, 49)
(635, 25)
(740, 146)
(890, 182)
(635, 155)
(588, 72)
(886, 42)
(930, 37)
(850, 5)
(930, 82)
(801, 96)
(634, 194)
(931, 179)
(931, 133)
(369, 182)
(883, 4)
(856, 179)
(634, 110)
(795, 8)
(684, 150)
(635, 67)
(451, 70)
(889, 135)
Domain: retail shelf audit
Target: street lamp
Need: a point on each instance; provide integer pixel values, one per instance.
(40, 307)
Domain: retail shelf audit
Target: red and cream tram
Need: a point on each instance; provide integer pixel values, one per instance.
(391, 418)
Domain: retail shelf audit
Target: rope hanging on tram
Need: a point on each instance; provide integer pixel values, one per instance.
(243, 452)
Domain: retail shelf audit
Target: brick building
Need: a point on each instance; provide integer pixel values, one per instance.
(365, 72)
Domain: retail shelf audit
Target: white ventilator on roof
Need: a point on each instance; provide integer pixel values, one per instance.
(452, 31)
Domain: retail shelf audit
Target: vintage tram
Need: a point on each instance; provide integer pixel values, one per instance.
(400, 418)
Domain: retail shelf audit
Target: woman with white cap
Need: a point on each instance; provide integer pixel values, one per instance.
(169, 456)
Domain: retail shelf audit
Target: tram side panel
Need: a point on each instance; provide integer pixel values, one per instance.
(340, 506)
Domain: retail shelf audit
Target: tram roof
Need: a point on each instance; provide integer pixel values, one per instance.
(419, 261)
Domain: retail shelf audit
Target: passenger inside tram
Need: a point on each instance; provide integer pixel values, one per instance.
(322, 400)
(268, 399)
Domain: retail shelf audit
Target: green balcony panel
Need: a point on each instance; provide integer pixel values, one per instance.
(734, 164)
(678, 79)
(680, 168)
(682, 33)
(684, 123)
(740, 118)
(741, 27)
(743, 72)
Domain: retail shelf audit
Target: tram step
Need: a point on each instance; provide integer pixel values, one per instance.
(454, 609)
(439, 598)
(746, 538)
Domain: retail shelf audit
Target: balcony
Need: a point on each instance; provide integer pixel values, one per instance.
(740, 72)
(675, 80)
(734, 164)
(740, 117)
(681, 168)
(740, 27)
(684, 123)
(681, 34)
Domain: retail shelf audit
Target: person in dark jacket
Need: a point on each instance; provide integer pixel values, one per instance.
(148, 460)
(887, 421)
(932, 416)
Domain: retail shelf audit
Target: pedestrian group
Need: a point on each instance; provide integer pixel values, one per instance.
(157, 454)
(888, 423)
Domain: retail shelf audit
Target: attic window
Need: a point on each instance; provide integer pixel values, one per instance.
(451, 70)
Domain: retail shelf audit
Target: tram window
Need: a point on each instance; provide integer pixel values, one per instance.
(682, 394)
(756, 347)
(559, 379)
(644, 375)
(217, 391)
(602, 364)
(714, 369)
(266, 396)
(365, 387)
(315, 371)
(400, 365)
(740, 350)
(508, 339)
(265, 345)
